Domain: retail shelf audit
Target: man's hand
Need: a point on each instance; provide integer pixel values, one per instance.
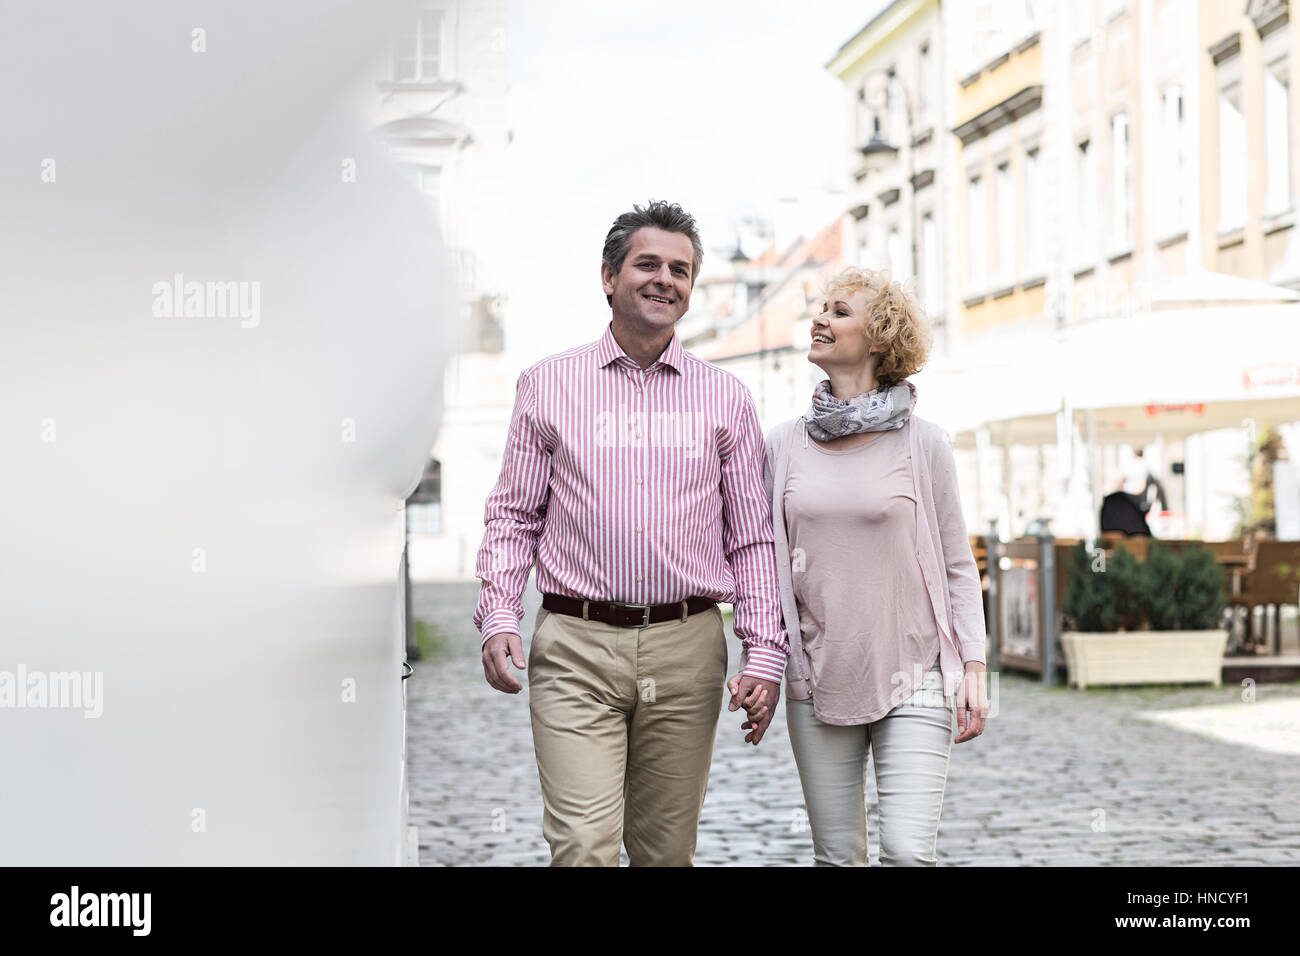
(496, 649)
(759, 698)
(972, 703)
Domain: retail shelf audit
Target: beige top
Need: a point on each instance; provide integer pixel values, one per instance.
(942, 548)
(865, 619)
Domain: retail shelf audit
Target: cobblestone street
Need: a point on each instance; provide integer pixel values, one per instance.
(1061, 777)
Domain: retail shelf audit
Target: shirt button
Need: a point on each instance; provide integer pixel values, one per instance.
(639, 579)
(638, 528)
(640, 481)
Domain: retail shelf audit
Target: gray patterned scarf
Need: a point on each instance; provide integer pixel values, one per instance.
(879, 410)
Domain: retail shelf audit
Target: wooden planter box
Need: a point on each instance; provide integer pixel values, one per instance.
(1145, 657)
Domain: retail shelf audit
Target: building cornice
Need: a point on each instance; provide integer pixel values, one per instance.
(879, 29)
(1268, 15)
(1000, 114)
(1228, 46)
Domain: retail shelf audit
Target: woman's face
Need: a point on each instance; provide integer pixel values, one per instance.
(839, 333)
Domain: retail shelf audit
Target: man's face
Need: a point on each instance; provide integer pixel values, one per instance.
(653, 289)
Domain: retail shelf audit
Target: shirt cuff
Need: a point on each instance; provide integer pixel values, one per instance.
(763, 663)
(497, 622)
(974, 651)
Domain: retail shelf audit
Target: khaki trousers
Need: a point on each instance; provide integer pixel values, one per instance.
(624, 720)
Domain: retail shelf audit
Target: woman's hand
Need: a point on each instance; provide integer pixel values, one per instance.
(759, 698)
(972, 703)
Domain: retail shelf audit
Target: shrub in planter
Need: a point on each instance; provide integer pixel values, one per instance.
(1186, 591)
(1131, 589)
(1174, 598)
(1170, 591)
(1089, 603)
(1105, 600)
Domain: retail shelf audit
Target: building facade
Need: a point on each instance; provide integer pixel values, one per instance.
(441, 107)
(1248, 58)
(776, 296)
(898, 108)
(1091, 157)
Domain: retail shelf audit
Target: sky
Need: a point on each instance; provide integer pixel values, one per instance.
(720, 105)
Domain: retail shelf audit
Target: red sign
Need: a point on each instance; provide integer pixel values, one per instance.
(1197, 409)
(1258, 375)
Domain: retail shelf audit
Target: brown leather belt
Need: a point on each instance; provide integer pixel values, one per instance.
(625, 615)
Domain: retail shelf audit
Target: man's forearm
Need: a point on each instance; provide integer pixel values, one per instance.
(757, 608)
(507, 556)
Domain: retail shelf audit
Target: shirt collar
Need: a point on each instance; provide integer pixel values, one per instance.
(608, 350)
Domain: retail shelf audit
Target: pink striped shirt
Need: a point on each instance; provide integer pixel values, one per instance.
(637, 486)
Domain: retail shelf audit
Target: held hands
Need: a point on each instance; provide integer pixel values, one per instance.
(972, 703)
(759, 698)
(496, 650)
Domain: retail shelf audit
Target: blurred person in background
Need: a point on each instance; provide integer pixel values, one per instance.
(1138, 482)
(879, 590)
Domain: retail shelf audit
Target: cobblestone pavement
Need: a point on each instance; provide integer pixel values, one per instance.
(1061, 777)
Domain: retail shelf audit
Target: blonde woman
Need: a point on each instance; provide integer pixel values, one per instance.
(879, 589)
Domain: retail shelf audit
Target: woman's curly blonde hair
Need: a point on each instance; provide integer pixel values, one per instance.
(894, 322)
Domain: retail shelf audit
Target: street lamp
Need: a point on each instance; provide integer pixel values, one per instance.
(879, 152)
(878, 147)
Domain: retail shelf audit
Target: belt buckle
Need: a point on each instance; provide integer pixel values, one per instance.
(645, 613)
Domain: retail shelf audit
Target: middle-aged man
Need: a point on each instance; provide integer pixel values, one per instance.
(633, 478)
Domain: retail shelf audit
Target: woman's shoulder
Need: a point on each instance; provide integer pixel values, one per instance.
(929, 433)
(778, 432)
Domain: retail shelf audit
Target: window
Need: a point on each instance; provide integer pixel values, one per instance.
(894, 108)
(424, 507)
(1035, 254)
(899, 264)
(867, 124)
(980, 39)
(865, 260)
(1232, 159)
(418, 55)
(930, 264)
(1121, 183)
(1277, 133)
(1086, 179)
(1082, 20)
(1171, 211)
(924, 93)
(1004, 226)
(977, 237)
(424, 519)
(429, 180)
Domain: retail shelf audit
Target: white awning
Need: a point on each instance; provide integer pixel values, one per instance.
(1171, 372)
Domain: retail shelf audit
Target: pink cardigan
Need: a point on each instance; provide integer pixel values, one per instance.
(954, 584)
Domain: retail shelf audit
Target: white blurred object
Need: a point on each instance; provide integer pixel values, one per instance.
(1286, 500)
(204, 505)
(1169, 525)
(1134, 470)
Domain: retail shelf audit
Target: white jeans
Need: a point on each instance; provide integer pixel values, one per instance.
(912, 744)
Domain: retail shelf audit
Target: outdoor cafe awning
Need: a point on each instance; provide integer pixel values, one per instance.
(1171, 371)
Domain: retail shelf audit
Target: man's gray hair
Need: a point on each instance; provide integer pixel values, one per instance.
(669, 217)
